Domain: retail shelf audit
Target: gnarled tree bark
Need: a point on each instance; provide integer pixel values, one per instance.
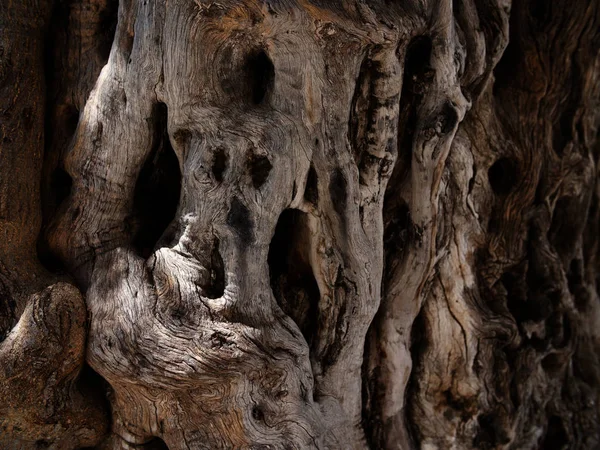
(299, 224)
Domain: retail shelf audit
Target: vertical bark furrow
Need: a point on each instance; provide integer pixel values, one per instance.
(349, 223)
(115, 136)
(509, 318)
(157, 190)
(291, 273)
(441, 106)
(42, 319)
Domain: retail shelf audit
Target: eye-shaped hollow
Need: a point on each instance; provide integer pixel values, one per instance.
(247, 77)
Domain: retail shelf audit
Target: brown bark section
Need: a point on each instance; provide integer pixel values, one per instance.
(523, 369)
(42, 319)
(300, 224)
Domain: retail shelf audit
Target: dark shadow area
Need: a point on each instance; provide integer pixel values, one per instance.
(502, 176)
(338, 191)
(399, 230)
(219, 165)
(418, 72)
(95, 389)
(240, 221)
(556, 435)
(521, 300)
(259, 167)
(157, 191)
(260, 74)
(107, 26)
(311, 192)
(62, 107)
(418, 346)
(60, 185)
(507, 71)
(156, 444)
(492, 432)
(216, 288)
(292, 279)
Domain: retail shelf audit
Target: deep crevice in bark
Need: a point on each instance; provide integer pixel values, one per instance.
(418, 345)
(216, 286)
(107, 26)
(259, 167)
(398, 233)
(417, 66)
(399, 230)
(156, 444)
(491, 433)
(219, 165)
(556, 436)
(61, 185)
(416, 78)
(157, 190)
(502, 176)
(505, 72)
(362, 112)
(338, 191)
(60, 188)
(79, 39)
(292, 279)
(260, 76)
(240, 220)
(311, 192)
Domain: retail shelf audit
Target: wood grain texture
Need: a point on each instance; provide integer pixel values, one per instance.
(302, 224)
(42, 318)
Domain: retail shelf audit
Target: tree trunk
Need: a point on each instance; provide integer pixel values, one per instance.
(299, 224)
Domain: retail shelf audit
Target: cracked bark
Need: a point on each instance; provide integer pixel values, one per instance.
(302, 224)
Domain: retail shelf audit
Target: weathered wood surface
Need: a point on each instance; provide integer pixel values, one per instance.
(42, 318)
(299, 224)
